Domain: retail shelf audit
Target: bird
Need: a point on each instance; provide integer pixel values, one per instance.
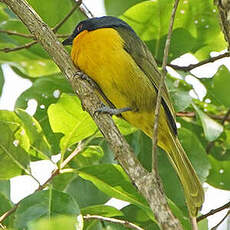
(110, 53)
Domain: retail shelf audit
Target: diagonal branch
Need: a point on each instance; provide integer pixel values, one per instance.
(125, 223)
(213, 211)
(144, 181)
(193, 66)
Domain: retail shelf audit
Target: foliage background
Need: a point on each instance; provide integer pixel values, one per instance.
(59, 123)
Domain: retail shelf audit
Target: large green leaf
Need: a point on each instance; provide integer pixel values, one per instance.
(85, 193)
(4, 207)
(218, 87)
(219, 174)
(14, 144)
(195, 152)
(112, 180)
(117, 7)
(67, 117)
(212, 129)
(196, 19)
(57, 223)
(179, 93)
(47, 203)
(5, 188)
(45, 91)
(38, 143)
(137, 216)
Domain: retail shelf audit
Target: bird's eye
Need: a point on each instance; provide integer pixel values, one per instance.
(79, 28)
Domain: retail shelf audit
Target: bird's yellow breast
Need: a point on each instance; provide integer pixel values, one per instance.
(100, 54)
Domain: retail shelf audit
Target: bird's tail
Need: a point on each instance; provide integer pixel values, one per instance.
(193, 190)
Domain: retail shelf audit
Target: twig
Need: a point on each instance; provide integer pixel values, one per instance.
(213, 211)
(193, 66)
(222, 220)
(57, 27)
(211, 144)
(10, 32)
(54, 173)
(85, 10)
(213, 116)
(158, 103)
(113, 220)
(26, 46)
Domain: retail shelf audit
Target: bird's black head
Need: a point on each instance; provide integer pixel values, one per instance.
(96, 23)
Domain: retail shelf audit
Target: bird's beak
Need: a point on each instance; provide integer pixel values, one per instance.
(68, 41)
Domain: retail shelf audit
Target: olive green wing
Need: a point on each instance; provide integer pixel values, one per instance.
(144, 59)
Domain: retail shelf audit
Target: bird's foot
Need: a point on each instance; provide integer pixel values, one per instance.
(83, 76)
(112, 111)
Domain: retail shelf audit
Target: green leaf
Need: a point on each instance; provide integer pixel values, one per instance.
(2, 81)
(198, 18)
(67, 117)
(101, 210)
(90, 156)
(4, 207)
(57, 223)
(5, 188)
(212, 129)
(45, 91)
(195, 152)
(47, 203)
(85, 193)
(218, 87)
(117, 7)
(38, 141)
(51, 17)
(13, 158)
(179, 93)
(112, 180)
(61, 181)
(219, 173)
(137, 216)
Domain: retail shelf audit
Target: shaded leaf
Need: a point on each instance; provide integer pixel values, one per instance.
(5, 188)
(195, 152)
(85, 193)
(47, 203)
(13, 158)
(112, 180)
(219, 174)
(4, 207)
(212, 129)
(35, 133)
(218, 87)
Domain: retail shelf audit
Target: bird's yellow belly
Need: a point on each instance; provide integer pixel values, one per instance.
(101, 56)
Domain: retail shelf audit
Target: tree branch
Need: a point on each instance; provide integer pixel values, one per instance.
(213, 116)
(193, 66)
(144, 181)
(222, 220)
(26, 46)
(213, 211)
(113, 220)
(224, 14)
